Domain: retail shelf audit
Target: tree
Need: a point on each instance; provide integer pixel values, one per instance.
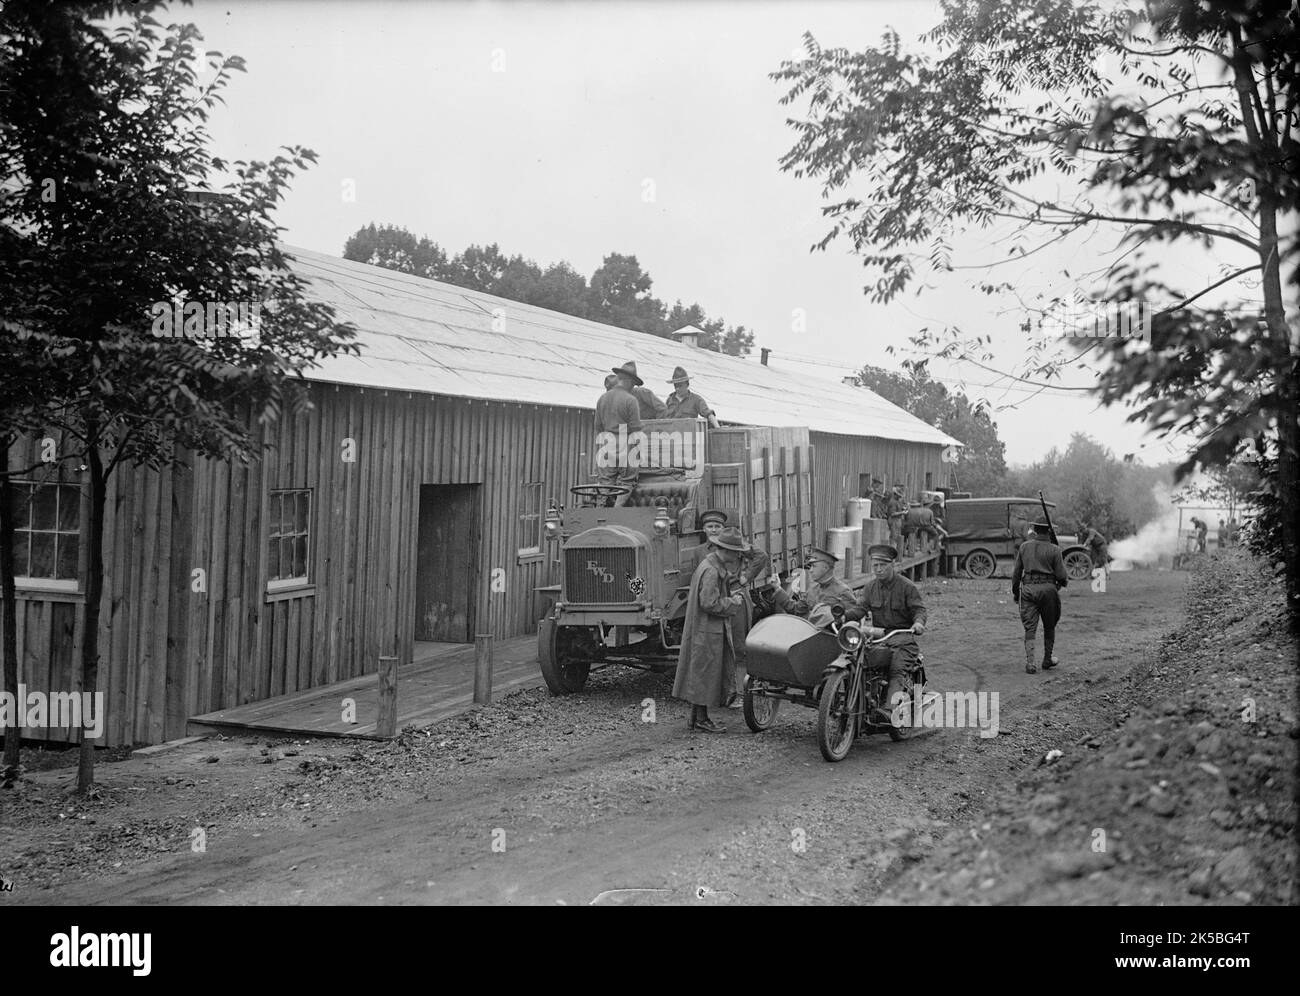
(1090, 484)
(397, 249)
(981, 465)
(479, 268)
(113, 123)
(619, 294)
(1190, 139)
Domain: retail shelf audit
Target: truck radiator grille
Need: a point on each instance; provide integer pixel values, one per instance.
(599, 574)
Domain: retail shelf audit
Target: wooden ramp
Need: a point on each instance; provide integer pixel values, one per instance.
(437, 684)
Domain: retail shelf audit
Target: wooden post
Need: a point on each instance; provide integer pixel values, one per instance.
(483, 668)
(386, 726)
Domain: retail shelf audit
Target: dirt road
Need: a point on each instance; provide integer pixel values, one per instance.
(545, 800)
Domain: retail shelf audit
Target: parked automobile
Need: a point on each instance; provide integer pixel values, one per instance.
(985, 533)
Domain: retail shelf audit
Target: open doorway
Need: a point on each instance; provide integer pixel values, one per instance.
(446, 565)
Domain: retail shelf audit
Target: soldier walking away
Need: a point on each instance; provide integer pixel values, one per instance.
(891, 602)
(706, 663)
(685, 403)
(1036, 581)
(1223, 534)
(618, 416)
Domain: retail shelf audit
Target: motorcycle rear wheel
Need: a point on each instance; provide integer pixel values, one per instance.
(759, 710)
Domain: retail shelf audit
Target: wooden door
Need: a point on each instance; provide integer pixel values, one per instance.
(446, 569)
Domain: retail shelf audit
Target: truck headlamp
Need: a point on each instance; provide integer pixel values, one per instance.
(662, 522)
(552, 523)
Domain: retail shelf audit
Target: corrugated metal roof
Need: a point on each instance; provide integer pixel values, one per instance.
(434, 338)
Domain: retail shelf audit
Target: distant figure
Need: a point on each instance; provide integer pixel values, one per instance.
(1222, 534)
(685, 403)
(896, 509)
(879, 503)
(1202, 531)
(919, 522)
(1096, 545)
(1233, 530)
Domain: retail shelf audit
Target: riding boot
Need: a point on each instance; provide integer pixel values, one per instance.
(1030, 666)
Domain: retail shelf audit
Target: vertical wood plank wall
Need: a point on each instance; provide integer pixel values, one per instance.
(169, 652)
(840, 459)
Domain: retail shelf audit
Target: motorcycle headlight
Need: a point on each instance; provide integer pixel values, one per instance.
(849, 637)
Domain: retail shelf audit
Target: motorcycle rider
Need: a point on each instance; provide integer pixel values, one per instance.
(891, 602)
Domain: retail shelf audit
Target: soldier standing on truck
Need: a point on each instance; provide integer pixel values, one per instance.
(1036, 581)
(685, 403)
(618, 416)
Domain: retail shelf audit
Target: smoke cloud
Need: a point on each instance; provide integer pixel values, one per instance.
(1158, 538)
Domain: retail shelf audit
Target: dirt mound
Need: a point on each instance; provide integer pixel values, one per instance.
(1186, 797)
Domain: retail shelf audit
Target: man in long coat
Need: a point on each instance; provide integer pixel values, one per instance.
(707, 661)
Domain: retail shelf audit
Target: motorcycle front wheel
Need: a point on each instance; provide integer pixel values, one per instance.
(835, 721)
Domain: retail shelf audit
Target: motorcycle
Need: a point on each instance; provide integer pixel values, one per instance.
(842, 671)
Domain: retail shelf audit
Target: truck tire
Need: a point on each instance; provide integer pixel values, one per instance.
(563, 671)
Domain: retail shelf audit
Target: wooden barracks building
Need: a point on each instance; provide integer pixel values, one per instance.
(406, 506)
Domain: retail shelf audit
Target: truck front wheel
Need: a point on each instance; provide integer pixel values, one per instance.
(563, 668)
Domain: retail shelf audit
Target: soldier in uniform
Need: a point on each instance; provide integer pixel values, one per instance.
(617, 416)
(825, 591)
(896, 509)
(1036, 581)
(755, 565)
(1095, 542)
(891, 602)
(919, 521)
(879, 503)
(706, 664)
(685, 403)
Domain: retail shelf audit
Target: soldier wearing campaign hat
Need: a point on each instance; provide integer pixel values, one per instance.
(618, 416)
(648, 404)
(892, 602)
(706, 663)
(1036, 581)
(685, 403)
(754, 566)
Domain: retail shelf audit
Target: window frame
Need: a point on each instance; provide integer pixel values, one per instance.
(536, 552)
(277, 588)
(31, 585)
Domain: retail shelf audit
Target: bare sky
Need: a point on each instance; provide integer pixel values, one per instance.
(547, 127)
